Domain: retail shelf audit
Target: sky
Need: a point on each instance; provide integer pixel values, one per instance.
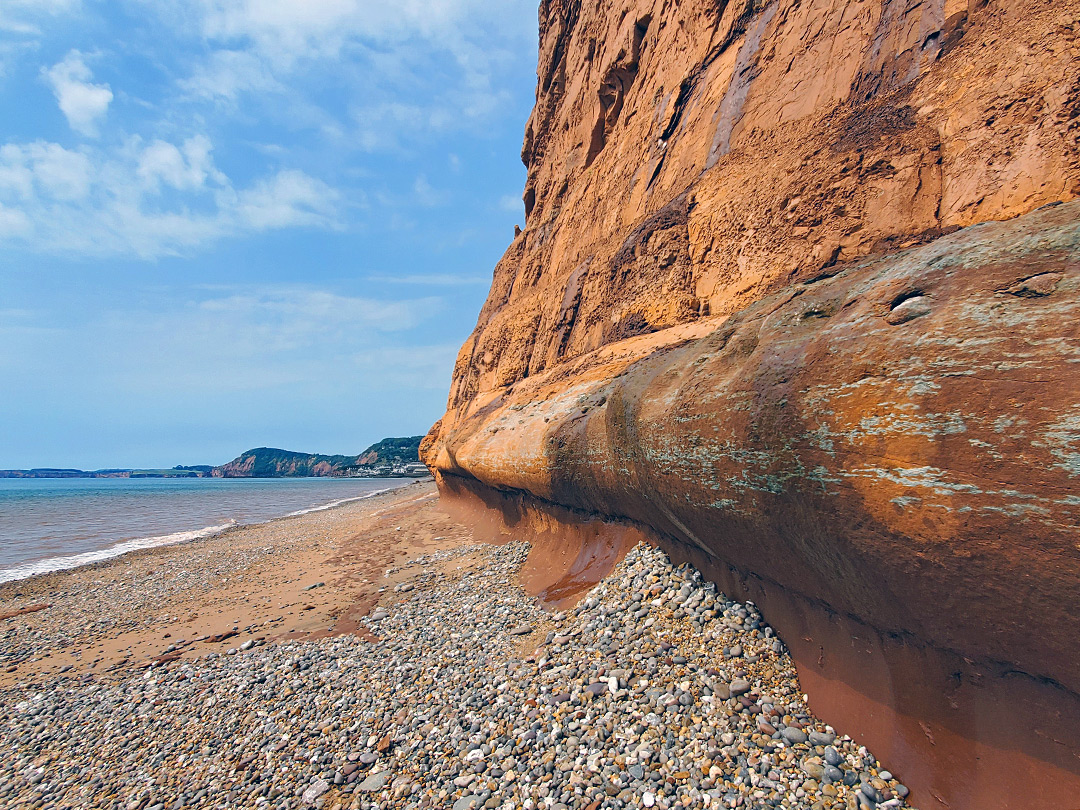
(234, 223)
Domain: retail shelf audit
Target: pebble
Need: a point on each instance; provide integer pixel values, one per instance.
(314, 791)
(739, 686)
(375, 782)
(794, 735)
(616, 710)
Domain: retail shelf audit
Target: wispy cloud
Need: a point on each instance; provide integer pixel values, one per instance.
(25, 16)
(185, 343)
(185, 167)
(427, 195)
(431, 279)
(227, 74)
(397, 51)
(408, 368)
(98, 203)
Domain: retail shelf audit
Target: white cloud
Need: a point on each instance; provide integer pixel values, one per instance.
(44, 169)
(255, 338)
(427, 195)
(82, 102)
(300, 311)
(62, 174)
(93, 203)
(287, 31)
(289, 198)
(16, 176)
(412, 367)
(14, 223)
(394, 51)
(186, 167)
(191, 343)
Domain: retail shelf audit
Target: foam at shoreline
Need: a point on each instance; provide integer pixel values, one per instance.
(51, 565)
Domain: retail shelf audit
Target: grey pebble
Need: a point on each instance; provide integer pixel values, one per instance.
(374, 783)
(794, 735)
(314, 791)
(739, 686)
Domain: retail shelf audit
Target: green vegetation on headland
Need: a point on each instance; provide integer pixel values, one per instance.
(390, 458)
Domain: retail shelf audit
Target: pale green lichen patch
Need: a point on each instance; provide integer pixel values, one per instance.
(1062, 438)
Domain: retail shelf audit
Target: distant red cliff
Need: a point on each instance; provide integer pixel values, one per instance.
(389, 456)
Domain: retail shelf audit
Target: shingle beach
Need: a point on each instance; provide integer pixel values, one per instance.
(442, 685)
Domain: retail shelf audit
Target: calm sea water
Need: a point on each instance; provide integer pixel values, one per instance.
(52, 524)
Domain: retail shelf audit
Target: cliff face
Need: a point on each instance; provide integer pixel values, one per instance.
(688, 159)
(762, 310)
(270, 462)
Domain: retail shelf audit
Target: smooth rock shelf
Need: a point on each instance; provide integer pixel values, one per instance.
(655, 691)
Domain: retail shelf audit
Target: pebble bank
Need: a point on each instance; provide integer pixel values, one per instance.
(655, 691)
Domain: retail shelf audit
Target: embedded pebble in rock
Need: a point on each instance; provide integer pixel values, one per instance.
(633, 701)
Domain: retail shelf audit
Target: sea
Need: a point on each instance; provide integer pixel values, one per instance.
(51, 524)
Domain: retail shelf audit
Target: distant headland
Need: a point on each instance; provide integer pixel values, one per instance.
(390, 458)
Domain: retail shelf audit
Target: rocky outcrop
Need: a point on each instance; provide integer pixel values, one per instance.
(885, 459)
(271, 462)
(900, 440)
(797, 296)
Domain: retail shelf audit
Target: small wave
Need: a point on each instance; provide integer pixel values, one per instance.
(51, 564)
(332, 504)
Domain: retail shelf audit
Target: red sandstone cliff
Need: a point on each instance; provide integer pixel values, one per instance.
(791, 297)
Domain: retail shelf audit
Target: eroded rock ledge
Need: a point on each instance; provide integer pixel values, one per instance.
(885, 459)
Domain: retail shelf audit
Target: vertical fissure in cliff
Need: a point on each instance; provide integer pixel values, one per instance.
(612, 93)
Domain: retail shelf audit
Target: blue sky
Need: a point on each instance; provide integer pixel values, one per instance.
(231, 223)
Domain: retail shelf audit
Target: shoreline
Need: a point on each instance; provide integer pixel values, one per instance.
(123, 611)
(122, 547)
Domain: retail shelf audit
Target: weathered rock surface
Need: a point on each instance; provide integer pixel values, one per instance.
(761, 310)
(900, 440)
